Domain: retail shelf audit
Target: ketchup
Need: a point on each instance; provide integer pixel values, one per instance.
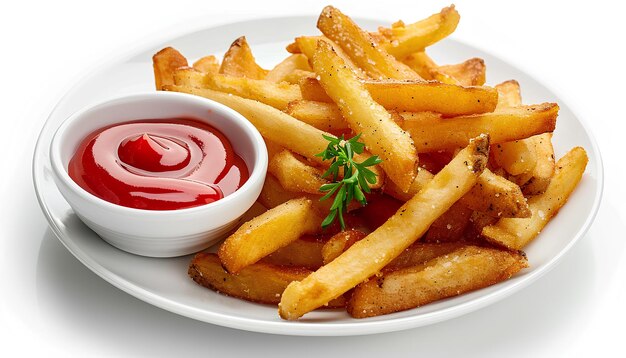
(164, 164)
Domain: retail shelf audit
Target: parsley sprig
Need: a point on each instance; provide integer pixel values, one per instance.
(356, 177)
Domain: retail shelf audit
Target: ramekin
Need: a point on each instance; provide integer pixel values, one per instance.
(160, 233)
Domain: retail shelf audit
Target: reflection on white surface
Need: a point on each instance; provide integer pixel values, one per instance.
(76, 302)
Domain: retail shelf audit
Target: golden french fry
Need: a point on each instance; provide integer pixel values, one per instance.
(239, 62)
(492, 194)
(294, 175)
(519, 156)
(339, 243)
(380, 133)
(450, 226)
(165, 63)
(417, 96)
(296, 76)
(496, 196)
(287, 67)
(260, 282)
(273, 194)
(370, 255)
(516, 233)
(466, 269)
(471, 72)
(544, 169)
(267, 233)
(308, 45)
(361, 47)
(277, 95)
(402, 40)
(207, 64)
(321, 115)
(431, 134)
(305, 252)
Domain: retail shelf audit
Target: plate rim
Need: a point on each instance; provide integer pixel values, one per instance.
(299, 328)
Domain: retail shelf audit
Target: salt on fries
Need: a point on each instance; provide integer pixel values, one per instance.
(468, 175)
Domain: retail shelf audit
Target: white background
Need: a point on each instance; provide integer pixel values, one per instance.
(52, 305)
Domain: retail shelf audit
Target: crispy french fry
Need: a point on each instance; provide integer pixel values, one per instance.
(312, 90)
(296, 76)
(339, 243)
(402, 40)
(492, 194)
(417, 96)
(239, 62)
(273, 194)
(450, 226)
(466, 269)
(471, 72)
(287, 67)
(431, 134)
(305, 252)
(267, 233)
(544, 169)
(207, 64)
(294, 175)
(308, 45)
(519, 156)
(277, 95)
(497, 197)
(361, 47)
(321, 115)
(380, 133)
(517, 233)
(260, 282)
(165, 63)
(370, 255)
(419, 253)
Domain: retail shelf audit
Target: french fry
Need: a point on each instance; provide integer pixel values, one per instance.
(516, 233)
(260, 282)
(321, 115)
(450, 226)
(497, 197)
(419, 253)
(466, 269)
(380, 133)
(294, 175)
(305, 252)
(239, 62)
(544, 169)
(273, 193)
(287, 67)
(296, 76)
(308, 45)
(431, 134)
(471, 72)
(402, 40)
(417, 96)
(207, 64)
(370, 255)
(361, 47)
(165, 63)
(492, 194)
(267, 233)
(339, 243)
(277, 95)
(519, 156)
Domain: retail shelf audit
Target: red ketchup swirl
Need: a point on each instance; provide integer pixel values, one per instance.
(158, 164)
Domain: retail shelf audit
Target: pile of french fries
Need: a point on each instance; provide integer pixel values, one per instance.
(468, 176)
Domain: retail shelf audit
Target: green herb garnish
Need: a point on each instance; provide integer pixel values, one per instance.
(356, 177)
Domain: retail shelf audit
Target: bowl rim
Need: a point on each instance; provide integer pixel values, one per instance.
(257, 172)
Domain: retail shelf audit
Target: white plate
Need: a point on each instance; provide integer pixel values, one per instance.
(164, 282)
